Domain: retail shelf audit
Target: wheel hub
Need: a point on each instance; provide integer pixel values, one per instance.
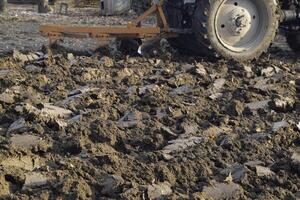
(239, 22)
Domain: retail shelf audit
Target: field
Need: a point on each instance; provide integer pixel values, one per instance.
(82, 124)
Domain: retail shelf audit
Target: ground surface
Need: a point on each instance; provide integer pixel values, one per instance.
(108, 126)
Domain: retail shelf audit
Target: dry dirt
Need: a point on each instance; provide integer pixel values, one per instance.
(124, 127)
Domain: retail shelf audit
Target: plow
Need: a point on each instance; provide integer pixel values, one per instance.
(241, 30)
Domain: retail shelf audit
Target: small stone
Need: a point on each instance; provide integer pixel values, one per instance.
(247, 68)
(4, 187)
(264, 171)
(23, 162)
(4, 73)
(237, 172)
(25, 141)
(168, 132)
(236, 108)
(148, 88)
(215, 96)
(34, 180)
(32, 69)
(24, 57)
(219, 84)
(70, 56)
(54, 111)
(258, 105)
(19, 56)
(296, 156)
(282, 104)
(75, 119)
(60, 124)
(181, 90)
(253, 164)
(218, 191)
(18, 126)
(82, 90)
(278, 125)
(187, 67)
(200, 69)
(126, 72)
(159, 191)
(181, 144)
(212, 132)
(110, 184)
(7, 98)
(268, 72)
(106, 61)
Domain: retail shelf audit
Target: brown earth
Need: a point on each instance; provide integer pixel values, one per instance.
(165, 127)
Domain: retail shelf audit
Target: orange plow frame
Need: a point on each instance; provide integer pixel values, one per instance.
(134, 29)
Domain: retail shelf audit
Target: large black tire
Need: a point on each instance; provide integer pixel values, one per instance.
(205, 30)
(3, 5)
(184, 43)
(293, 40)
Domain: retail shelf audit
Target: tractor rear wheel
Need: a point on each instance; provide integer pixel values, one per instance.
(235, 29)
(293, 40)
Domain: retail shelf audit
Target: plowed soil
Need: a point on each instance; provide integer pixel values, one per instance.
(170, 126)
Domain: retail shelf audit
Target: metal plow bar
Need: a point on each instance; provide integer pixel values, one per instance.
(134, 29)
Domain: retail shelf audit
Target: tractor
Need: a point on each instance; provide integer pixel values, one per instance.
(241, 30)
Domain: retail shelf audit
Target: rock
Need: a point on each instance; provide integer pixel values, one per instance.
(181, 90)
(220, 191)
(200, 70)
(248, 70)
(110, 184)
(237, 172)
(60, 124)
(181, 144)
(219, 84)
(24, 57)
(32, 69)
(4, 73)
(82, 90)
(168, 132)
(7, 98)
(106, 61)
(296, 156)
(75, 119)
(282, 104)
(70, 57)
(279, 125)
(236, 108)
(215, 96)
(258, 105)
(148, 88)
(263, 84)
(130, 119)
(25, 141)
(4, 187)
(298, 126)
(159, 191)
(212, 132)
(253, 164)
(123, 73)
(18, 126)
(264, 171)
(24, 162)
(187, 67)
(34, 180)
(54, 111)
(268, 72)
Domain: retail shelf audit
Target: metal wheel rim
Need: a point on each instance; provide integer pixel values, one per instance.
(241, 25)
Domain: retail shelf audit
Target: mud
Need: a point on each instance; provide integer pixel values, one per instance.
(164, 127)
